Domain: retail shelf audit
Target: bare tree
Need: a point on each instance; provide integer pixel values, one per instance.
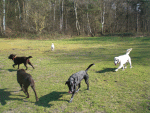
(76, 14)
(88, 21)
(103, 17)
(4, 21)
(19, 14)
(70, 16)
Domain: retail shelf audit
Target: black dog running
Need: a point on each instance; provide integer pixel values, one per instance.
(75, 80)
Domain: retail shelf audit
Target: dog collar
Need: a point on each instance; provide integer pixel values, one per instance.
(14, 57)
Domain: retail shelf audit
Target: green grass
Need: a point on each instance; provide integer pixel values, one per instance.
(125, 91)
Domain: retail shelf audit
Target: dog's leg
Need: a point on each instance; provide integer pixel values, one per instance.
(30, 64)
(20, 86)
(25, 64)
(26, 90)
(119, 67)
(18, 66)
(23, 89)
(33, 87)
(130, 63)
(78, 87)
(72, 95)
(86, 78)
(14, 65)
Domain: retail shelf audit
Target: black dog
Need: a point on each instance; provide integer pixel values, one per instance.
(20, 60)
(25, 79)
(75, 80)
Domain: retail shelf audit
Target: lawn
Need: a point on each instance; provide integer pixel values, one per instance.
(125, 91)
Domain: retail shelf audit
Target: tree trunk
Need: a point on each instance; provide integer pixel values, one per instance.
(127, 16)
(103, 18)
(54, 10)
(19, 14)
(76, 14)
(4, 25)
(54, 16)
(61, 15)
(88, 24)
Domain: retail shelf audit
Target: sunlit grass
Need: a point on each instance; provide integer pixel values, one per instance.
(122, 91)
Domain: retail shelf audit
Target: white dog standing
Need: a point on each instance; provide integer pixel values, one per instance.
(123, 59)
(52, 47)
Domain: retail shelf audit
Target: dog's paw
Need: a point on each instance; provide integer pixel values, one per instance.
(70, 101)
(116, 69)
(77, 90)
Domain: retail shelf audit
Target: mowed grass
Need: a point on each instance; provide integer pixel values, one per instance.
(121, 92)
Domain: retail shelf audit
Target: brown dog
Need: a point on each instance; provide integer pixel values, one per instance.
(25, 79)
(20, 60)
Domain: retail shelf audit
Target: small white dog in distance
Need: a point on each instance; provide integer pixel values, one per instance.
(52, 47)
(123, 59)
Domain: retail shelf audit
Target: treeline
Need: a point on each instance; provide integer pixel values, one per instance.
(74, 17)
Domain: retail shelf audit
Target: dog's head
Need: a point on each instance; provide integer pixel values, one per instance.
(116, 60)
(12, 56)
(71, 85)
(21, 70)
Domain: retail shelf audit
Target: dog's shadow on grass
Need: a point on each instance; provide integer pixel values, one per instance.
(5, 96)
(11, 70)
(53, 96)
(106, 70)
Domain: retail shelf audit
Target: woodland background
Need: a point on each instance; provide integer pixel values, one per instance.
(74, 17)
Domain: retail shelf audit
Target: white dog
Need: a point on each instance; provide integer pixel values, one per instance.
(52, 47)
(123, 59)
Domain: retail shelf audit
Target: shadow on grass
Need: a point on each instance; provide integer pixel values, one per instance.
(11, 70)
(106, 70)
(4, 96)
(53, 96)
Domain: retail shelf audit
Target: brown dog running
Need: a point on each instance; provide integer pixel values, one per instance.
(20, 60)
(25, 79)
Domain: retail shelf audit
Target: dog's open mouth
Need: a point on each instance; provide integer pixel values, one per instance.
(70, 92)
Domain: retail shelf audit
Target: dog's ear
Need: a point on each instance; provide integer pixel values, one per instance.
(66, 82)
(118, 60)
(22, 70)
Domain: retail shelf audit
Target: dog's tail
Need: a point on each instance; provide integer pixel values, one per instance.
(128, 51)
(29, 57)
(89, 67)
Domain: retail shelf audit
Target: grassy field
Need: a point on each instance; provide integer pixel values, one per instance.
(125, 91)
